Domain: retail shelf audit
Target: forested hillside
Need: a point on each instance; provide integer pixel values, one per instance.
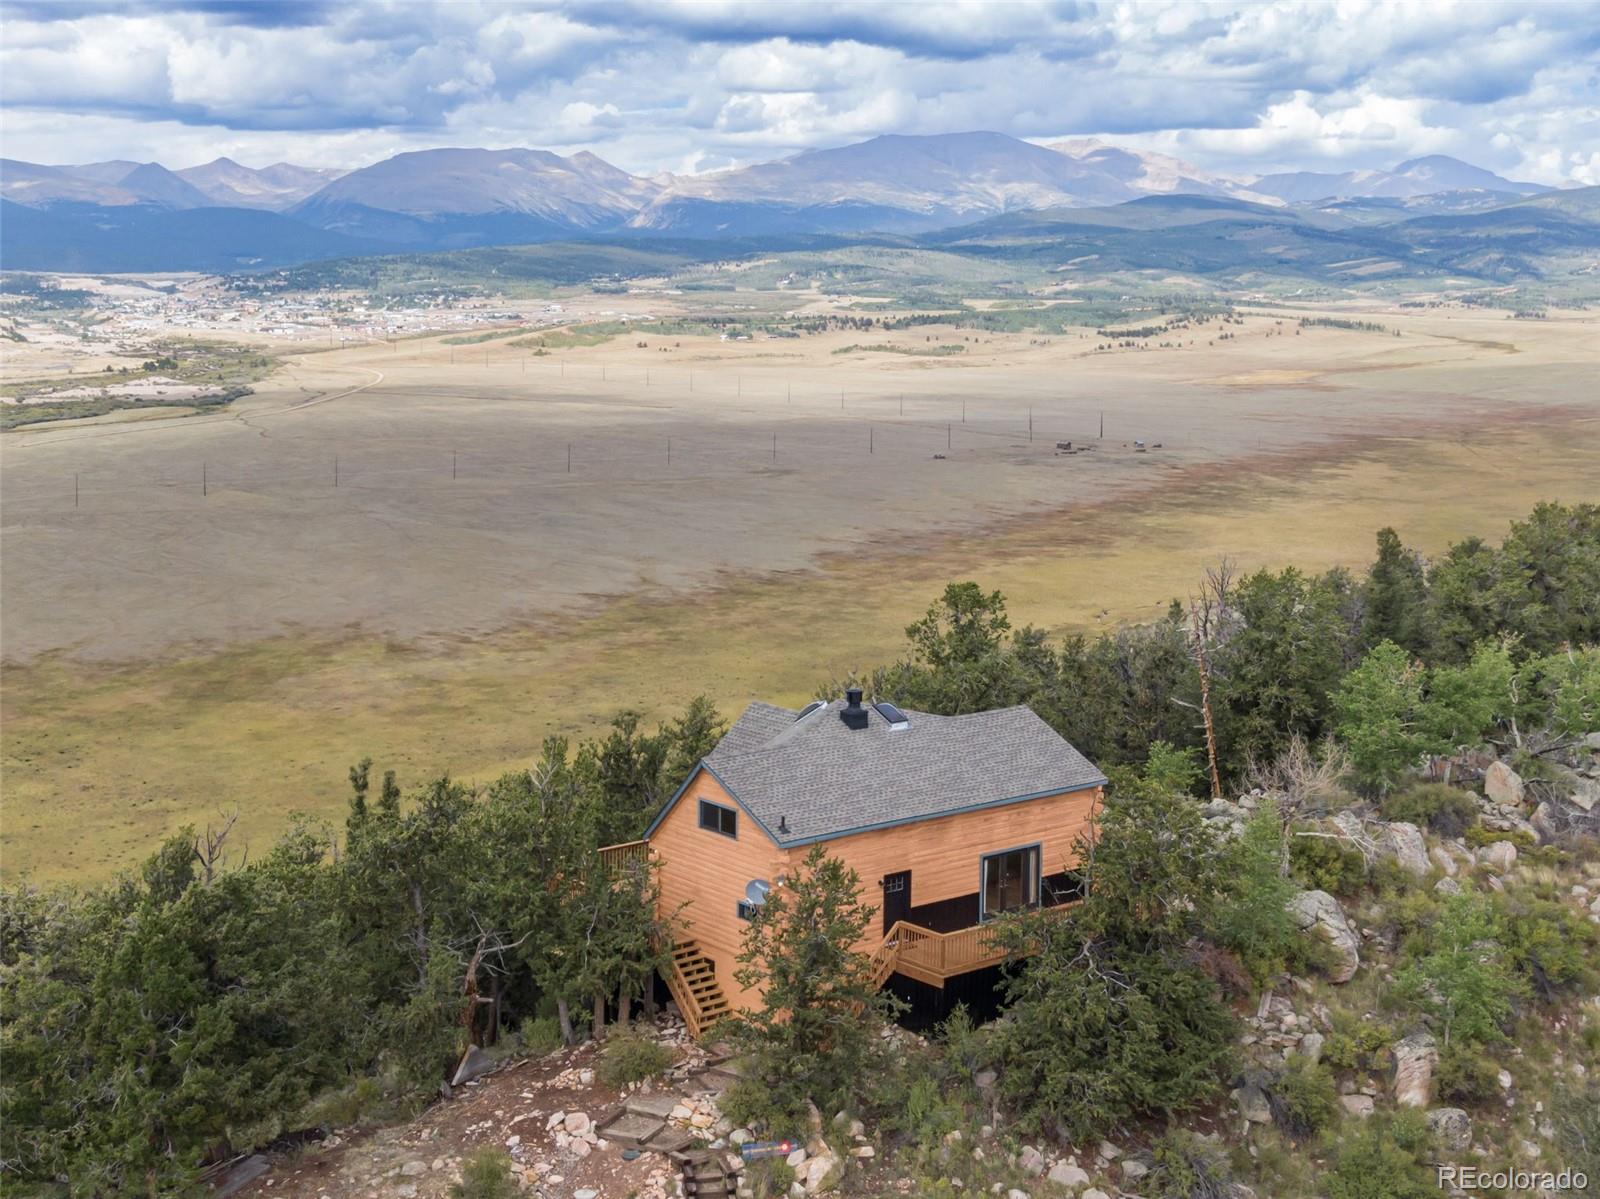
(1349, 849)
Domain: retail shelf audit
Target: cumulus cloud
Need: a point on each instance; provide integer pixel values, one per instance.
(694, 84)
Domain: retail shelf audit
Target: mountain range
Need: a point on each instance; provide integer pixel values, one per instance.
(130, 216)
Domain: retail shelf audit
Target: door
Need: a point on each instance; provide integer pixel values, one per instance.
(896, 898)
(1010, 880)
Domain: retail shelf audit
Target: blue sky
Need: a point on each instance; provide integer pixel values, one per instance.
(656, 85)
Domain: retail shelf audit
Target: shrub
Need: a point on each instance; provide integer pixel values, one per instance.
(1323, 864)
(1354, 1044)
(1303, 1098)
(629, 1057)
(1549, 945)
(539, 1035)
(1252, 916)
(1467, 1076)
(1480, 835)
(1448, 811)
(1379, 1161)
(1575, 1112)
(486, 1175)
(770, 1178)
(1462, 979)
(1189, 1167)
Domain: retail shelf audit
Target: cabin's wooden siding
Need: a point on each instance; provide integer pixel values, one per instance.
(943, 855)
(709, 872)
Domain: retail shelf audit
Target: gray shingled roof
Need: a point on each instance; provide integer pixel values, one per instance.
(826, 780)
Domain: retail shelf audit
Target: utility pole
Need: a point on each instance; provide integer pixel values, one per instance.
(669, 451)
(569, 457)
(1102, 424)
(1030, 424)
(774, 447)
(452, 464)
(947, 435)
(336, 470)
(203, 486)
(74, 489)
(869, 439)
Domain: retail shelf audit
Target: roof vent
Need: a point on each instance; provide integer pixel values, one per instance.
(853, 714)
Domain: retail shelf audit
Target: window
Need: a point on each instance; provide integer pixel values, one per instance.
(745, 910)
(719, 819)
(894, 884)
(1010, 880)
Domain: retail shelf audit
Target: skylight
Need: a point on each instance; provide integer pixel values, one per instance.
(814, 706)
(895, 717)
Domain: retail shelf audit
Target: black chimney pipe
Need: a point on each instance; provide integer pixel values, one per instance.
(853, 714)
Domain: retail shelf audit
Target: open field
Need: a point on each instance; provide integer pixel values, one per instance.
(222, 620)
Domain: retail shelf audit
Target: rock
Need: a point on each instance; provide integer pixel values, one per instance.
(1500, 857)
(1585, 793)
(1502, 784)
(580, 1147)
(475, 1063)
(863, 1151)
(1357, 1105)
(797, 1159)
(406, 1190)
(1451, 1127)
(555, 1119)
(1068, 1174)
(1415, 1058)
(1031, 1161)
(576, 1123)
(585, 1193)
(413, 1169)
(1253, 1105)
(1311, 1046)
(1318, 913)
(1094, 1193)
(1014, 1193)
(740, 1136)
(1134, 1168)
(1441, 857)
(985, 1080)
(1447, 886)
(1108, 1152)
(1543, 822)
(821, 1173)
(1504, 1079)
(1404, 843)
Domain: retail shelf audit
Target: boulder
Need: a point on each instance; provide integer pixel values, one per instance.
(1500, 856)
(1443, 859)
(576, 1123)
(1253, 1104)
(1404, 843)
(475, 1063)
(1415, 1058)
(1031, 1161)
(1319, 914)
(1134, 1168)
(1502, 784)
(1447, 886)
(1311, 1046)
(821, 1173)
(1357, 1105)
(1451, 1127)
(1068, 1174)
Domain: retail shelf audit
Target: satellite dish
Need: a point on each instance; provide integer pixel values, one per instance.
(756, 893)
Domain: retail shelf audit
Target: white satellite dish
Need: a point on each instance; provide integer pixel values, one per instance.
(755, 893)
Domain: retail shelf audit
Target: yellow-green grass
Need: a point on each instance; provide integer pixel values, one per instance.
(99, 763)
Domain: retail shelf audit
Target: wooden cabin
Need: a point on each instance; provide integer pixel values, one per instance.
(949, 820)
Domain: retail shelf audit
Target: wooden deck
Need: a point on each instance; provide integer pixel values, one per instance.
(935, 958)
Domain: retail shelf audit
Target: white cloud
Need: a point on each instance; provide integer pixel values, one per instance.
(670, 84)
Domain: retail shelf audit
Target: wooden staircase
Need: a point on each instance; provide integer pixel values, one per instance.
(693, 982)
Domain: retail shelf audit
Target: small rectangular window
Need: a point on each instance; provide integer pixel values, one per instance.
(719, 819)
(746, 910)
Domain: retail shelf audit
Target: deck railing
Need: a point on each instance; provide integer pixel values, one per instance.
(623, 854)
(935, 958)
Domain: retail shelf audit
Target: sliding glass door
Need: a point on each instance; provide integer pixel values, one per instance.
(1010, 880)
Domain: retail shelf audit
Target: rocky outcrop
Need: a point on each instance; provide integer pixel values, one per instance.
(1318, 914)
(1502, 784)
(1404, 843)
(1500, 857)
(1415, 1058)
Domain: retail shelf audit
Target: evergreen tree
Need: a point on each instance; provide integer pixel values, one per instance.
(1394, 598)
(815, 1035)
